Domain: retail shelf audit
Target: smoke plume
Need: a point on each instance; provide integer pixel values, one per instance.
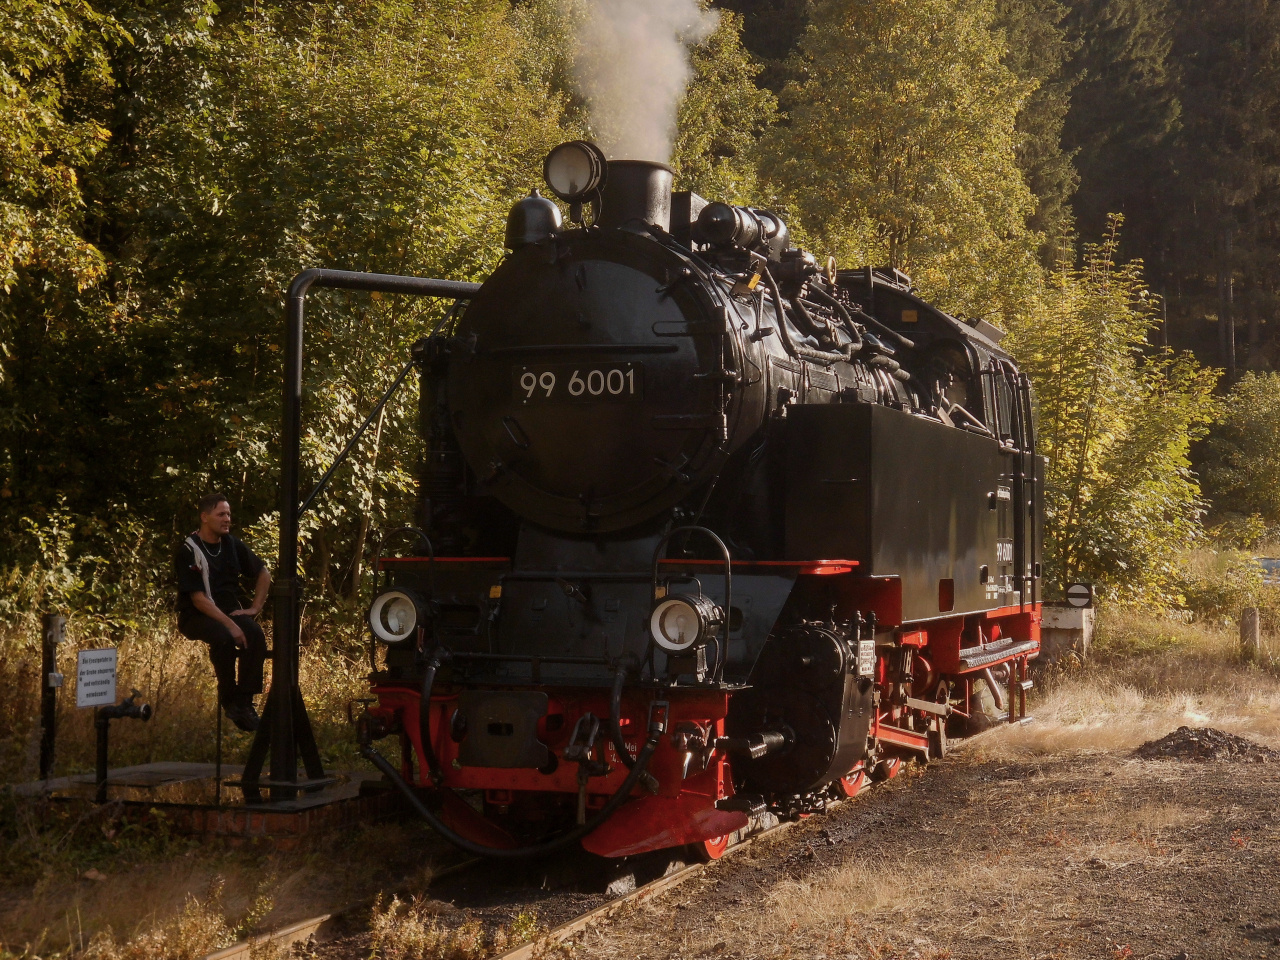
(632, 66)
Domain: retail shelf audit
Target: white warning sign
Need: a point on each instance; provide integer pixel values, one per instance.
(96, 678)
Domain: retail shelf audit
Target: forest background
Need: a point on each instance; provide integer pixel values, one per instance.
(1101, 178)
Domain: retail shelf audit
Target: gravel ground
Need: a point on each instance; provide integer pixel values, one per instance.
(1104, 856)
(1099, 856)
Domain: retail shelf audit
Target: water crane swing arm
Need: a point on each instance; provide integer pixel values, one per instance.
(286, 732)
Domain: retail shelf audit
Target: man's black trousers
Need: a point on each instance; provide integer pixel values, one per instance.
(224, 653)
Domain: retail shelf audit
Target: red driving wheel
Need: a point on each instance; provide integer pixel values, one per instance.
(712, 849)
(851, 783)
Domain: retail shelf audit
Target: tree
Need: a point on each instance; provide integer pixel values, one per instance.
(1227, 197)
(53, 58)
(1242, 453)
(722, 117)
(55, 85)
(390, 138)
(1116, 423)
(901, 148)
(771, 29)
(1124, 115)
(1037, 51)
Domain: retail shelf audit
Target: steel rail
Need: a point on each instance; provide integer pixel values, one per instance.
(303, 929)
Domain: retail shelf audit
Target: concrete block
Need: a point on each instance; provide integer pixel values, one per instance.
(1065, 631)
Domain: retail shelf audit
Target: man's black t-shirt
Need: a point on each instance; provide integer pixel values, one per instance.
(233, 568)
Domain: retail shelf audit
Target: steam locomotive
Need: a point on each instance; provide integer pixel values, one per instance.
(710, 531)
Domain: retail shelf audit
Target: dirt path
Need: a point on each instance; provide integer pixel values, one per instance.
(1100, 856)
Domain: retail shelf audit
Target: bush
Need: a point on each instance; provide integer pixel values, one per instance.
(1217, 584)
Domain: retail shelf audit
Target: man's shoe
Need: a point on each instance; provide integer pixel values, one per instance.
(247, 700)
(242, 714)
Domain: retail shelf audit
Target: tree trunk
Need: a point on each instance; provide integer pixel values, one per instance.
(322, 548)
(362, 534)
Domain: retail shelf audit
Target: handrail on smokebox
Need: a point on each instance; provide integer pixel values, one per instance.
(286, 729)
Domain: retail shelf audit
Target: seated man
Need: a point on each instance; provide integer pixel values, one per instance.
(212, 569)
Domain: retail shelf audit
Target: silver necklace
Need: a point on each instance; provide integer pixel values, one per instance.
(210, 552)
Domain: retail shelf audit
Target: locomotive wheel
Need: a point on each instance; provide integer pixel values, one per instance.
(852, 783)
(886, 769)
(984, 713)
(938, 733)
(713, 849)
(938, 741)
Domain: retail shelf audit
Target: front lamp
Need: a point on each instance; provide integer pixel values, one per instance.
(395, 615)
(575, 171)
(680, 623)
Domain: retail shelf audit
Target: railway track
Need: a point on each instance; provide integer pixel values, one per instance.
(491, 889)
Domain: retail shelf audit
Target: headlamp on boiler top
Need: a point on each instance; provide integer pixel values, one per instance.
(575, 171)
(681, 622)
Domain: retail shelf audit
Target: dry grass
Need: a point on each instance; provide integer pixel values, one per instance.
(1150, 674)
(154, 900)
(201, 927)
(131, 895)
(1034, 853)
(413, 931)
(176, 678)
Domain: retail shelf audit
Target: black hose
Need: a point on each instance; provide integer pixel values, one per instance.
(783, 333)
(815, 329)
(868, 320)
(828, 355)
(795, 349)
(615, 719)
(519, 853)
(424, 716)
(835, 304)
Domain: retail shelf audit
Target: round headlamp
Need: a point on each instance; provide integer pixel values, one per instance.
(394, 616)
(680, 623)
(575, 171)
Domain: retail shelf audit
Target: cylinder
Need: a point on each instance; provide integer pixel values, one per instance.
(635, 190)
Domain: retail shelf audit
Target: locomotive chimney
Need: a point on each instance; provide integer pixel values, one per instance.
(636, 190)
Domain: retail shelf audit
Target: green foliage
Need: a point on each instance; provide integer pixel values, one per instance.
(1116, 422)
(1218, 584)
(53, 55)
(722, 118)
(1125, 109)
(392, 138)
(1242, 455)
(1037, 51)
(771, 29)
(901, 148)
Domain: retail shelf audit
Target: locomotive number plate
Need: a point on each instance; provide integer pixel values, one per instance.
(577, 382)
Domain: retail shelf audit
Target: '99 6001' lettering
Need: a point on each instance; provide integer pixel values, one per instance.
(577, 383)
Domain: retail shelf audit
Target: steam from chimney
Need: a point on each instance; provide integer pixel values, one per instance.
(632, 66)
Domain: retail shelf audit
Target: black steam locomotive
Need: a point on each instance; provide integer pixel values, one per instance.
(710, 529)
